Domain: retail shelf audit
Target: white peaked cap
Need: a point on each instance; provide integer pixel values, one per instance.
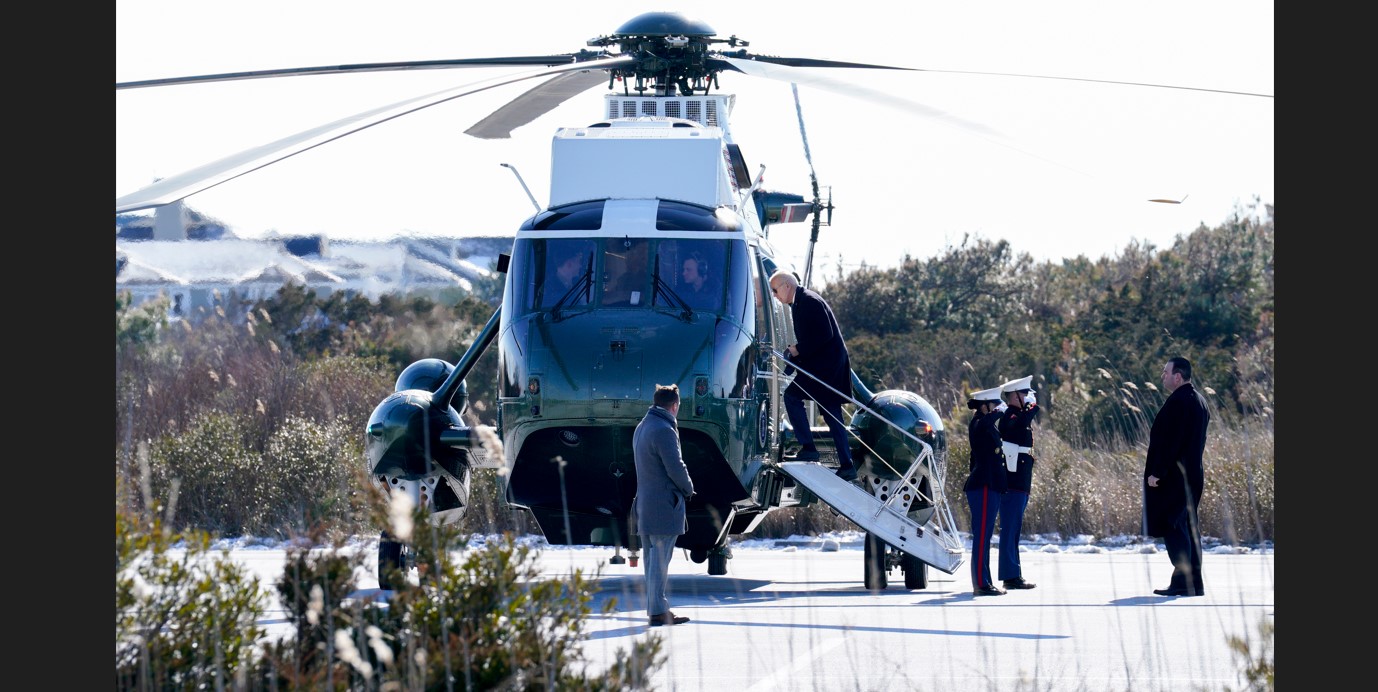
(1016, 385)
(992, 394)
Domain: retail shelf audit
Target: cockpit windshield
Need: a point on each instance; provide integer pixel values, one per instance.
(566, 275)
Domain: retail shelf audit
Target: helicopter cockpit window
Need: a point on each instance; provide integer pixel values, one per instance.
(626, 277)
(693, 269)
(679, 216)
(697, 274)
(559, 272)
(580, 216)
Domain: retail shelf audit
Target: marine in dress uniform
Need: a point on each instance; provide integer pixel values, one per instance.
(985, 485)
(1016, 431)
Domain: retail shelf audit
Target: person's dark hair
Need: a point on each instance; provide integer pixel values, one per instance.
(665, 395)
(1182, 367)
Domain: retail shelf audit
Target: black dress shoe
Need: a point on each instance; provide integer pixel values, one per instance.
(1019, 584)
(668, 619)
(806, 454)
(1179, 591)
(989, 591)
(847, 474)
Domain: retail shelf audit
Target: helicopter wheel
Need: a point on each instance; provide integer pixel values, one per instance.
(717, 561)
(389, 561)
(875, 572)
(698, 555)
(915, 572)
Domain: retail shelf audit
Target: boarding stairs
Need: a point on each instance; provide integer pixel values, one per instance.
(882, 512)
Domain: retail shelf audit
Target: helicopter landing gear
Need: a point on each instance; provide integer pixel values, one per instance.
(698, 555)
(876, 569)
(631, 560)
(717, 560)
(915, 572)
(393, 561)
(880, 558)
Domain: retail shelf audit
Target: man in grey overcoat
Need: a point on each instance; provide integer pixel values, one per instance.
(663, 488)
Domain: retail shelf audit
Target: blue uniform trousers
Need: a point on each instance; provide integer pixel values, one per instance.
(985, 506)
(1012, 506)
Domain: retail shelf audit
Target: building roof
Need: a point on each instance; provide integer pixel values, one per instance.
(399, 265)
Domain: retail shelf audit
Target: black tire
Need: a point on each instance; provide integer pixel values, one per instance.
(698, 555)
(717, 562)
(915, 572)
(389, 561)
(874, 560)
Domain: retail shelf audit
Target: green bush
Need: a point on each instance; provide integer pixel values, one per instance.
(314, 468)
(213, 479)
(183, 620)
(480, 618)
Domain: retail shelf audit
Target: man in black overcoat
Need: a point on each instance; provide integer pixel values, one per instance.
(1174, 477)
(822, 354)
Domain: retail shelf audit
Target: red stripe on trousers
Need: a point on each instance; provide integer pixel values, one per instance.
(985, 538)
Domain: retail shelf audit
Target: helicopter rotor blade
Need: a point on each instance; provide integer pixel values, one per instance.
(534, 103)
(190, 182)
(533, 60)
(785, 73)
(813, 178)
(811, 62)
(814, 62)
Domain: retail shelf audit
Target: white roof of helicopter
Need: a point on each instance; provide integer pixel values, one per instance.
(647, 157)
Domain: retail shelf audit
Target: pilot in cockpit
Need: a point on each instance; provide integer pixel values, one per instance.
(568, 271)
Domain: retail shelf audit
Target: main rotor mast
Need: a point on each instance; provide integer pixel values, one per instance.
(670, 51)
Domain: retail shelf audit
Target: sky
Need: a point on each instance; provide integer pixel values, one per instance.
(1063, 168)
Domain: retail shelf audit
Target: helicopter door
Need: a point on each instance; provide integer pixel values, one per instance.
(770, 335)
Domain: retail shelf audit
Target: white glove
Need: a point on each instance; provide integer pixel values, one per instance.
(1030, 398)
(1001, 408)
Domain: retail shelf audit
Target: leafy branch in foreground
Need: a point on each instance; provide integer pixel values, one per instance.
(1256, 665)
(187, 617)
(478, 618)
(182, 620)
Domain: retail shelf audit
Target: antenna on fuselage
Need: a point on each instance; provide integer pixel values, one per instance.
(512, 168)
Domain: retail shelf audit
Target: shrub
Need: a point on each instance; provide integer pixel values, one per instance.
(182, 619)
(481, 617)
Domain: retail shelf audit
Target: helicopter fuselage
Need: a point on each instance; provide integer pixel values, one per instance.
(648, 268)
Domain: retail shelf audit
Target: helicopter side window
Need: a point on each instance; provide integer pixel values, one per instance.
(739, 277)
(626, 278)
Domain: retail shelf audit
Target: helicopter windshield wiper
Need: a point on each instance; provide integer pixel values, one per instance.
(663, 289)
(581, 285)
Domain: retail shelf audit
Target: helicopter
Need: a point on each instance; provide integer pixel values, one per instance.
(655, 182)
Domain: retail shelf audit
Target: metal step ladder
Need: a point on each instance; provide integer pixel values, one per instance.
(936, 542)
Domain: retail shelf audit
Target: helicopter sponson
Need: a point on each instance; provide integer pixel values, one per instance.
(886, 433)
(408, 446)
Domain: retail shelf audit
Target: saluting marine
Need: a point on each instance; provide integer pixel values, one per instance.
(984, 486)
(1016, 432)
